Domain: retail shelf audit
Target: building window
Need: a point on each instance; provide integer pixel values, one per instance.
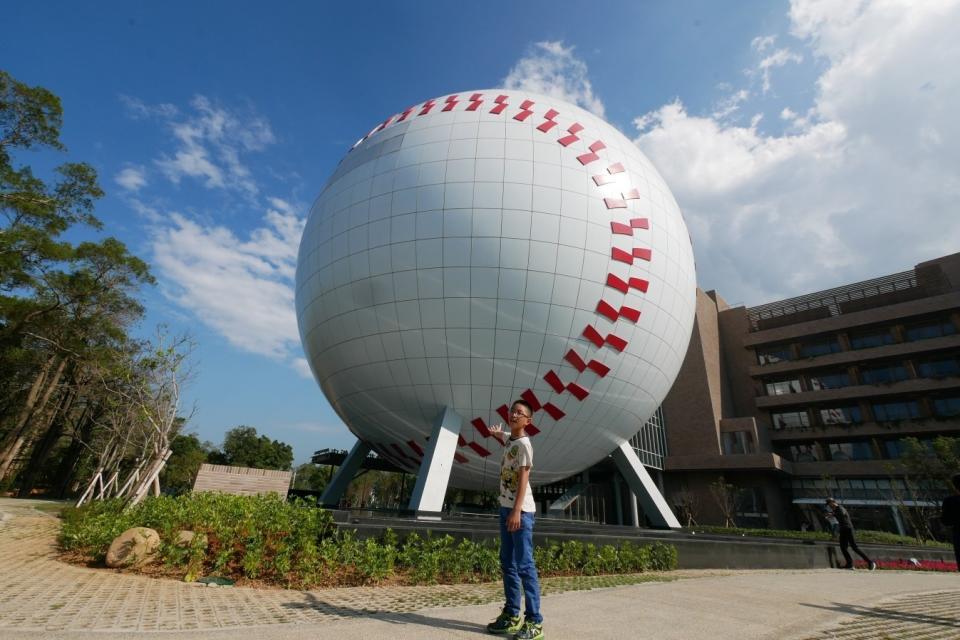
(873, 338)
(946, 407)
(883, 373)
(735, 442)
(936, 329)
(894, 449)
(790, 420)
(771, 355)
(841, 415)
(783, 387)
(829, 380)
(819, 347)
(888, 411)
(943, 368)
(851, 451)
(804, 453)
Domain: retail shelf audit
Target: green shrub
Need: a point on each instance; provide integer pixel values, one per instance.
(296, 544)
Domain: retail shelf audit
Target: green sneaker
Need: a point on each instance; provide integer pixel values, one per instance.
(505, 623)
(530, 631)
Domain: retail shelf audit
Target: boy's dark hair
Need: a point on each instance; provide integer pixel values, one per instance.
(525, 404)
(956, 481)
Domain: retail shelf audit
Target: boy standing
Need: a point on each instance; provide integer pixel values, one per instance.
(517, 510)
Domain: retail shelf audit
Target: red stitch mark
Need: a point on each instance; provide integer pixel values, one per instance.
(574, 129)
(451, 102)
(631, 314)
(554, 412)
(462, 459)
(399, 451)
(416, 448)
(640, 223)
(621, 255)
(579, 392)
(460, 441)
(426, 107)
(601, 179)
(615, 203)
(587, 158)
(504, 412)
(642, 254)
(406, 112)
(554, 381)
(616, 342)
(531, 430)
(548, 123)
(604, 309)
(633, 194)
(640, 284)
(620, 228)
(482, 452)
(593, 335)
(615, 168)
(384, 124)
(480, 426)
(531, 399)
(598, 368)
(475, 102)
(616, 283)
(501, 101)
(574, 359)
(523, 115)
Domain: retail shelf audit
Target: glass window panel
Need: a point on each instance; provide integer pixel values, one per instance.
(929, 330)
(771, 355)
(886, 411)
(819, 347)
(941, 368)
(868, 339)
(790, 419)
(783, 387)
(841, 415)
(834, 380)
(883, 374)
(946, 406)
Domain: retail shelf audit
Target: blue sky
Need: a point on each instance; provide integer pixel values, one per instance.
(809, 143)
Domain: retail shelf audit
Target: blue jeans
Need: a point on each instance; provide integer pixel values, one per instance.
(516, 561)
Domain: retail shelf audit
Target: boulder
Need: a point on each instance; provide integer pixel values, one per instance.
(134, 547)
(185, 539)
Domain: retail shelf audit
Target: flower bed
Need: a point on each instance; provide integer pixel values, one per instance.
(913, 564)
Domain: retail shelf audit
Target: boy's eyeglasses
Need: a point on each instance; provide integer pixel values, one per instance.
(519, 413)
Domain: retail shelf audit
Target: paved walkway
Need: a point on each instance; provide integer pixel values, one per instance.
(42, 597)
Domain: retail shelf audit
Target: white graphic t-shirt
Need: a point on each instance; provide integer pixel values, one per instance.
(516, 455)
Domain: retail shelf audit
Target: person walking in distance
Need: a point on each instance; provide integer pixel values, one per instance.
(846, 535)
(950, 516)
(517, 511)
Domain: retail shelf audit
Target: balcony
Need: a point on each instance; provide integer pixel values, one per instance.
(899, 428)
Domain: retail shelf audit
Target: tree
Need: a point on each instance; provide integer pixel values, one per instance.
(65, 308)
(926, 481)
(724, 494)
(311, 477)
(242, 447)
(187, 454)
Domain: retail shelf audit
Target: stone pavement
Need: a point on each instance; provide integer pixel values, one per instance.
(41, 597)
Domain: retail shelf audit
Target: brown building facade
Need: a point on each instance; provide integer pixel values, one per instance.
(798, 399)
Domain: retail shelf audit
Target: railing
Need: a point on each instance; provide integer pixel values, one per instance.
(834, 302)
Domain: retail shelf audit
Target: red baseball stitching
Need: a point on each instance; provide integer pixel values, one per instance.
(603, 308)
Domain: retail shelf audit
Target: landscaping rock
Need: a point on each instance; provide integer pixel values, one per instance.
(133, 548)
(185, 539)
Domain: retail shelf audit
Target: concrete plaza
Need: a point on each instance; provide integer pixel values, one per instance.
(41, 597)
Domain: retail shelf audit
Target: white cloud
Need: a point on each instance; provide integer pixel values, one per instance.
(131, 178)
(773, 60)
(210, 142)
(243, 289)
(862, 184)
(551, 69)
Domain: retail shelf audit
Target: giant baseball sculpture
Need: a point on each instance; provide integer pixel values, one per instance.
(485, 246)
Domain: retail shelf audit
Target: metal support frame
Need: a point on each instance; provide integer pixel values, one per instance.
(341, 479)
(434, 473)
(652, 502)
